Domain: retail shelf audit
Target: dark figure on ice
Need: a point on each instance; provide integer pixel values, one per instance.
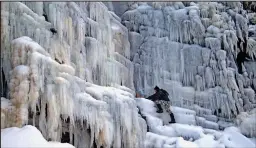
(161, 99)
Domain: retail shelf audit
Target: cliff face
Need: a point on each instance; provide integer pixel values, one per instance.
(84, 35)
(185, 48)
(196, 51)
(53, 55)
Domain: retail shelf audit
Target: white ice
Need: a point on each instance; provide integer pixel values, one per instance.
(27, 136)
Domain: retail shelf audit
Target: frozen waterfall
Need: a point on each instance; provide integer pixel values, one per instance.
(72, 69)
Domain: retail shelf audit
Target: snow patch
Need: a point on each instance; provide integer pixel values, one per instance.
(27, 136)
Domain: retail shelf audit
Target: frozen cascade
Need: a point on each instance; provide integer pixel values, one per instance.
(81, 35)
(198, 49)
(38, 81)
(56, 56)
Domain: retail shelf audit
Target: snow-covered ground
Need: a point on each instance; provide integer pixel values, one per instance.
(27, 136)
(185, 133)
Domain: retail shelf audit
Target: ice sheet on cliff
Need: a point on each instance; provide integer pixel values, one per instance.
(210, 72)
(194, 44)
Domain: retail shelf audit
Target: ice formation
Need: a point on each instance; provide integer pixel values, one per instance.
(190, 49)
(68, 103)
(57, 52)
(74, 67)
(92, 40)
(200, 134)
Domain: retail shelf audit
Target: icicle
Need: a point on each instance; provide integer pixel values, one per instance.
(251, 48)
(213, 43)
(19, 88)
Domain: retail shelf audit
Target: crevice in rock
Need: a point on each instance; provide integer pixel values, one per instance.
(65, 138)
(219, 111)
(4, 86)
(240, 59)
(53, 30)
